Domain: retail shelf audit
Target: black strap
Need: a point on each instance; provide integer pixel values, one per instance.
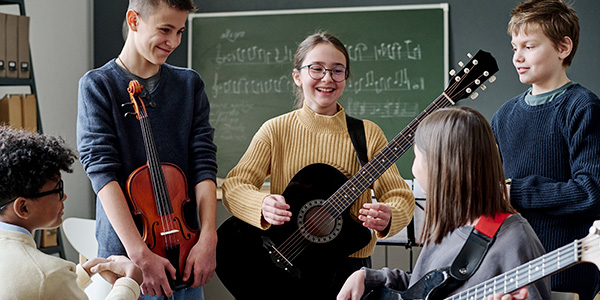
(477, 245)
(356, 129)
(471, 255)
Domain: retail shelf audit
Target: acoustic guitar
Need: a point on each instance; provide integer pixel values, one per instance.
(304, 251)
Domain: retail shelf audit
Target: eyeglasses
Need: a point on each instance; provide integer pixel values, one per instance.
(318, 71)
(60, 190)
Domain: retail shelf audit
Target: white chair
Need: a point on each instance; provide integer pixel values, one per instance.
(81, 234)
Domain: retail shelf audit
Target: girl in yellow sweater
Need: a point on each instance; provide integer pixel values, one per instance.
(314, 133)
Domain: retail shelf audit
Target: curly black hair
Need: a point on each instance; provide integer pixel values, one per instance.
(28, 160)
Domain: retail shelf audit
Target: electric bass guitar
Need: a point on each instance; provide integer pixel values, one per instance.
(434, 284)
(304, 251)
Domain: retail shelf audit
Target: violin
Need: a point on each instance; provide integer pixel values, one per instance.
(157, 193)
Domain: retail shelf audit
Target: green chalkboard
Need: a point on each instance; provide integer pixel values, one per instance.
(399, 59)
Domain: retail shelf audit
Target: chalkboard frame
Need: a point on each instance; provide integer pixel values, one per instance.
(443, 78)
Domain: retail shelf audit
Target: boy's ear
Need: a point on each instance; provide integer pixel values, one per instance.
(132, 17)
(565, 47)
(21, 209)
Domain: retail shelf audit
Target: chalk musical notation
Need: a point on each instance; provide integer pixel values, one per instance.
(397, 64)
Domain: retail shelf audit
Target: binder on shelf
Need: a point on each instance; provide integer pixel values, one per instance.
(2, 45)
(29, 110)
(11, 112)
(23, 60)
(12, 22)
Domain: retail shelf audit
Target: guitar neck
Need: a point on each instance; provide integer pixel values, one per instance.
(526, 274)
(371, 171)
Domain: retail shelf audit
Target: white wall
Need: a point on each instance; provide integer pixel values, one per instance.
(61, 50)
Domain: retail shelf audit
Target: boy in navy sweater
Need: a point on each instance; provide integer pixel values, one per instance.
(111, 145)
(549, 137)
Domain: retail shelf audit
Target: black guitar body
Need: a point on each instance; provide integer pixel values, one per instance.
(249, 271)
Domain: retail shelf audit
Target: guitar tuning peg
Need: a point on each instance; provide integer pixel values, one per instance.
(130, 114)
(492, 79)
(452, 72)
(461, 64)
(469, 55)
(474, 96)
(483, 87)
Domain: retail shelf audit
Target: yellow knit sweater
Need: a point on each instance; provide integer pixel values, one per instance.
(286, 144)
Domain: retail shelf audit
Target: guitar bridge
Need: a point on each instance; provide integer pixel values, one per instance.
(278, 258)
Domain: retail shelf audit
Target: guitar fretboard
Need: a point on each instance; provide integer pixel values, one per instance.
(366, 176)
(526, 274)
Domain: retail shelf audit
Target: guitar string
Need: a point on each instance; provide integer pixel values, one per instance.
(501, 283)
(321, 215)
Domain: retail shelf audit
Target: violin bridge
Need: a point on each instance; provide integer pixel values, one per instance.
(169, 232)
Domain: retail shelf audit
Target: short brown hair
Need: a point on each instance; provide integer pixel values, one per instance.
(308, 44)
(464, 169)
(555, 18)
(146, 7)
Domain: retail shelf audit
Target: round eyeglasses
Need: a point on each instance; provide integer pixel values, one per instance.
(60, 190)
(318, 71)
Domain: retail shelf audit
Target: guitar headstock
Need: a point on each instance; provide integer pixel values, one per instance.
(478, 70)
(590, 245)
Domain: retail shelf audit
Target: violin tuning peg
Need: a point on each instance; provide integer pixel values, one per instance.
(474, 96)
(492, 79)
(452, 72)
(461, 64)
(469, 55)
(130, 114)
(151, 104)
(126, 104)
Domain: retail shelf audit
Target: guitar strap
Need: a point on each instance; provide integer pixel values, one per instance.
(356, 129)
(478, 243)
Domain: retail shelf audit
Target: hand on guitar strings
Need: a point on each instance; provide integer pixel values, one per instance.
(521, 294)
(375, 216)
(275, 210)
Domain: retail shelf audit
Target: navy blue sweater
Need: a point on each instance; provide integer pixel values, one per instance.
(552, 154)
(111, 145)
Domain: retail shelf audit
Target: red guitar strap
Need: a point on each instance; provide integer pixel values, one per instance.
(489, 226)
(478, 243)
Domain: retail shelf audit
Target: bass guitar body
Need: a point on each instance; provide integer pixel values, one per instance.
(295, 258)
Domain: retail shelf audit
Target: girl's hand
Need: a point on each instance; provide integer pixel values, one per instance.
(354, 287)
(375, 216)
(275, 210)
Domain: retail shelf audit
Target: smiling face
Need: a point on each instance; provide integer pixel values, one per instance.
(159, 33)
(538, 60)
(321, 95)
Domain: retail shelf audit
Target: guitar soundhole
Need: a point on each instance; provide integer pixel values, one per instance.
(316, 224)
